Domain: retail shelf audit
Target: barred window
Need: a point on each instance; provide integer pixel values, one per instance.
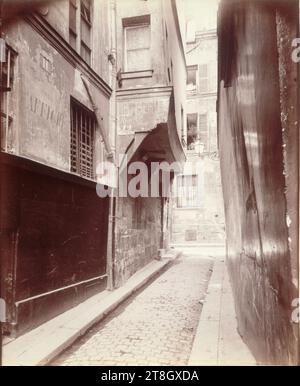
(187, 191)
(83, 125)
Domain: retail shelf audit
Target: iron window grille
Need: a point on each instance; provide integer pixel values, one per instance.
(83, 127)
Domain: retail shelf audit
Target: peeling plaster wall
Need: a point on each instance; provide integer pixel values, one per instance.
(258, 141)
(58, 17)
(43, 99)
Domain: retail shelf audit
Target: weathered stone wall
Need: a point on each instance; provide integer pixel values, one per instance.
(257, 109)
(138, 235)
(146, 100)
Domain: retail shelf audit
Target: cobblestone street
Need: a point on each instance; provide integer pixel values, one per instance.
(154, 327)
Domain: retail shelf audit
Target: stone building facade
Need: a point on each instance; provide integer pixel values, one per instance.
(150, 120)
(85, 82)
(55, 122)
(197, 216)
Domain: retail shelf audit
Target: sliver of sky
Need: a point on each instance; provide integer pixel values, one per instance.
(200, 15)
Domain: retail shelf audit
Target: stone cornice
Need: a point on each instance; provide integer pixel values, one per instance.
(138, 92)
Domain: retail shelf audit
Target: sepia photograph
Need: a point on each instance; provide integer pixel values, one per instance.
(149, 186)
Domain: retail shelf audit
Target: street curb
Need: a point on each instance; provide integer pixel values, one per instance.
(217, 342)
(38, 347)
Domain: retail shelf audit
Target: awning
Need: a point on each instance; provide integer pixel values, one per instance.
(157, 145)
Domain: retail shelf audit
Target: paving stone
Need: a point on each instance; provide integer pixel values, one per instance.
(154, 327)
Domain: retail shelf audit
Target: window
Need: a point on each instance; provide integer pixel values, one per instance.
(203, 78)
(46, 63)
(203, 131)
(83, 125)
(187, 191)
(191, 78)
(84, 29)
(137, 42)
(192, 131)
(7, 80)
(72, 23)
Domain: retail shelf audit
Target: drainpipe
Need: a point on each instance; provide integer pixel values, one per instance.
(162, 206)
(113, 197)
(1, 262)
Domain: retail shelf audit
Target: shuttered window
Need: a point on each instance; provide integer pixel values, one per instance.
(203, 78)
(83, 125)
(208, 77)
(203, 131)
(187, 191)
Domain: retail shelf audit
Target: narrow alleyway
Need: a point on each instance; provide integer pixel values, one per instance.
(154, 327)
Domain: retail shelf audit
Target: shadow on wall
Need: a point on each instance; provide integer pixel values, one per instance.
(257, 193)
